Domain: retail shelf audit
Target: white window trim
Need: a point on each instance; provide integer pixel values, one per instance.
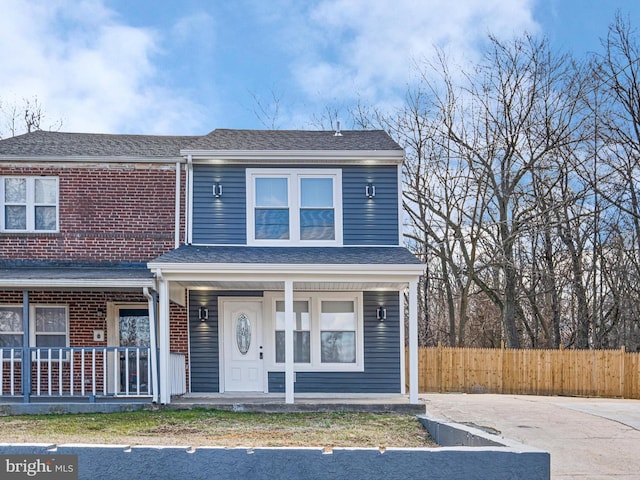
(294, 176)
(21, 333)
(32, 329)
(32, 324)
(314, 299)
(30, 204)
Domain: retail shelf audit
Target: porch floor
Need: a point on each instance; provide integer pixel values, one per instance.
(275, 403)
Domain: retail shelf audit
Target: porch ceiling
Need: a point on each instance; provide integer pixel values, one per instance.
(306, 286)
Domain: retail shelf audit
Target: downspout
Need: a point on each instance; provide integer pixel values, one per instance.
(403, 347)
(151, 299)
(176, 241)
(188, 209)
(400, 207)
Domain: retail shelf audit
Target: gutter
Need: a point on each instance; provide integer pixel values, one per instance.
(78, 283)
(60, 159)
(373, 157)
(176, 240)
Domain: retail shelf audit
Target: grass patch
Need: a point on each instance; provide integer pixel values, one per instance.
(204, 427)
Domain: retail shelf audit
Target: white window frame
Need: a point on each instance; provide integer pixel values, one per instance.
(32, 328)
(315, 302)
(32, 325)
(30, 204)
(293, 177)
(17, 355)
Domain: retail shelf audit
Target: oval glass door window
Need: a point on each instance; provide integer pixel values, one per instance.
(243, 333)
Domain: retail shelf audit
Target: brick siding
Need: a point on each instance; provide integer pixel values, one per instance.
(107, 212)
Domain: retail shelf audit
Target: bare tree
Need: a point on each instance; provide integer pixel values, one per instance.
(517, 110)
(616, 75)
(268, 113)
(23, 118)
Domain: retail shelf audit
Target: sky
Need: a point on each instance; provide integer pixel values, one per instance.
(187, 67)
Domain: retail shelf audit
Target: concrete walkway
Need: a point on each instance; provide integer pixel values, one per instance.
(587, 438)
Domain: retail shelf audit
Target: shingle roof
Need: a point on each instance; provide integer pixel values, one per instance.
(42, 143)
(290, 255)
(223, 139)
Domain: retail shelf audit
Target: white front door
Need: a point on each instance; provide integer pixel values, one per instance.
(242, 349)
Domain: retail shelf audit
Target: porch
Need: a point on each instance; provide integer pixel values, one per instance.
(292, 321)
(77, 333)
(48, 374)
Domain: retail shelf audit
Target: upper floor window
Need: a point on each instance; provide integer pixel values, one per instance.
(29, 204)
(294, 206)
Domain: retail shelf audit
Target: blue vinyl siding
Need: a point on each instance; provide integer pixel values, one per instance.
(370, 221)
(381, 350)
(204, 351)
(381, 356)
(222, 221)
(219, 221)
(203, 343)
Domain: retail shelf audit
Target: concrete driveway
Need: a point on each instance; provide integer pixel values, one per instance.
(587, 438)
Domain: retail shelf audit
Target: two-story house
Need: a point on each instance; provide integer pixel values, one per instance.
(238, 261)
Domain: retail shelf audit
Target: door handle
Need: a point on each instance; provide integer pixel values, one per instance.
(261, 354)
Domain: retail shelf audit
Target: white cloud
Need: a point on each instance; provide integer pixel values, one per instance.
(373, 44)
(87, 68)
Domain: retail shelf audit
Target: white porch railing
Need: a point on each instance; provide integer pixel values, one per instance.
(77, 371)
(11, 371)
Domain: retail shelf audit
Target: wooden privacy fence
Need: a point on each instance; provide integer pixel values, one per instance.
(590, 373)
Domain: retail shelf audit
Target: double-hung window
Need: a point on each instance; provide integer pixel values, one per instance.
(10, 330)
(338, 327)
(48, 327)
(327, 333)
(300, 206)
(301, 333)
(29, 204)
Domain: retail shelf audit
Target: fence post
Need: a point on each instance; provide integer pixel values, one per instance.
(502, 369)
(439, 367)
(622, 373)
(561, 357)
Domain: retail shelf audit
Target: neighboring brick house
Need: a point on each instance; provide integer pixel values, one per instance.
(262, 261)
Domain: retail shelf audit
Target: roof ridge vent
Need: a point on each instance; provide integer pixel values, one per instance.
(338, 132)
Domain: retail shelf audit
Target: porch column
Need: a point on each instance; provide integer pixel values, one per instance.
(163, 341)
(26, 355)
(152, 302)
(413, 341)
(289, 323)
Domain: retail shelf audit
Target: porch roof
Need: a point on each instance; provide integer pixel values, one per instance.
(267, 268)
(57, 274)
(192, 254)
